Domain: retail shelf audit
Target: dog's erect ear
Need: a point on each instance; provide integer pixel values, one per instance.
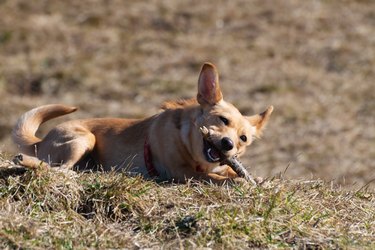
(208, 85)
(259, 121)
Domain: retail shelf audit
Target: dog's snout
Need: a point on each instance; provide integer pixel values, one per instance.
(226, 144)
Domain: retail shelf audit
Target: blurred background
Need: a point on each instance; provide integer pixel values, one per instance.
(313, 60)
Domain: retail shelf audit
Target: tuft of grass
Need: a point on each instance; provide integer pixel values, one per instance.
(65, 209)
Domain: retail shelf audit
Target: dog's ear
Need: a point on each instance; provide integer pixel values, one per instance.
(259, 121)
(208, 85)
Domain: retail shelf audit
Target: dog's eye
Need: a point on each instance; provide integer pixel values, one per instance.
(224, 120)
(243, 138)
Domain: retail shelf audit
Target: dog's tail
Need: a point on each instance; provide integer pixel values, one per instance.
(23, 133)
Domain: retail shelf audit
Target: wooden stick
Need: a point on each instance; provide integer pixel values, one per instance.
(233, 162)
(237, 166)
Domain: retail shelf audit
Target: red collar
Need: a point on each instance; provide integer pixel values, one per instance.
(151, 170)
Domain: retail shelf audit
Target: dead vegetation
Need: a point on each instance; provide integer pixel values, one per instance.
(313, 60)
(56, 209)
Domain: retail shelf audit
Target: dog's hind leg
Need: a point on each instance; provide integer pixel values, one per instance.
(62, 147)
(30, 162)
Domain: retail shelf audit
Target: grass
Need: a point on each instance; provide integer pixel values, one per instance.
(69, 210)
(312, 60)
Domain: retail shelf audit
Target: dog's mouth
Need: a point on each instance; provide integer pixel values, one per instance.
(211, 153)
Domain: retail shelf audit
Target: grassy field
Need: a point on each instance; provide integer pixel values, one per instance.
(313, 60)
(66, 210)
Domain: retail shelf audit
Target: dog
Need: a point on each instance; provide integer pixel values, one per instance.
(165, 146)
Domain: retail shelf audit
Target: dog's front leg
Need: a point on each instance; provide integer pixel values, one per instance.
(219, 179)
(226, 175)
(228, 172)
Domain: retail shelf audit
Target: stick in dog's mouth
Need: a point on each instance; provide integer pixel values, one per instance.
(233, 161)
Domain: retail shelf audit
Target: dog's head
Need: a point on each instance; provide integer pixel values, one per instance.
(229, 131)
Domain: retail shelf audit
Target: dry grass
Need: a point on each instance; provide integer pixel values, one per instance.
(67, 210)
(313, 60)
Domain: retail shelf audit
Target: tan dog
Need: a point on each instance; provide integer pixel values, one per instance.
(167, 146)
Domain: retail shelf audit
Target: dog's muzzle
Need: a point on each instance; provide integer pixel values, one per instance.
(211, 152)
(214, 154)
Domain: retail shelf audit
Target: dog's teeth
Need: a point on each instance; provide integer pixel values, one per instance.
(209, 155)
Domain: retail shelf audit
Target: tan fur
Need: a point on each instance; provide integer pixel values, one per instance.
(181, 103)
(177, 146)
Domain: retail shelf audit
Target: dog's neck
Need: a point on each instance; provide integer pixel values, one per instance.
(181, 131)
(186, 130)
(147, 154)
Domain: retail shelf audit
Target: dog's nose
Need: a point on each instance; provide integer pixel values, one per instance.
(226, 144)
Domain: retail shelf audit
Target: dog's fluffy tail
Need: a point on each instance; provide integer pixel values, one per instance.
(23, 133)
